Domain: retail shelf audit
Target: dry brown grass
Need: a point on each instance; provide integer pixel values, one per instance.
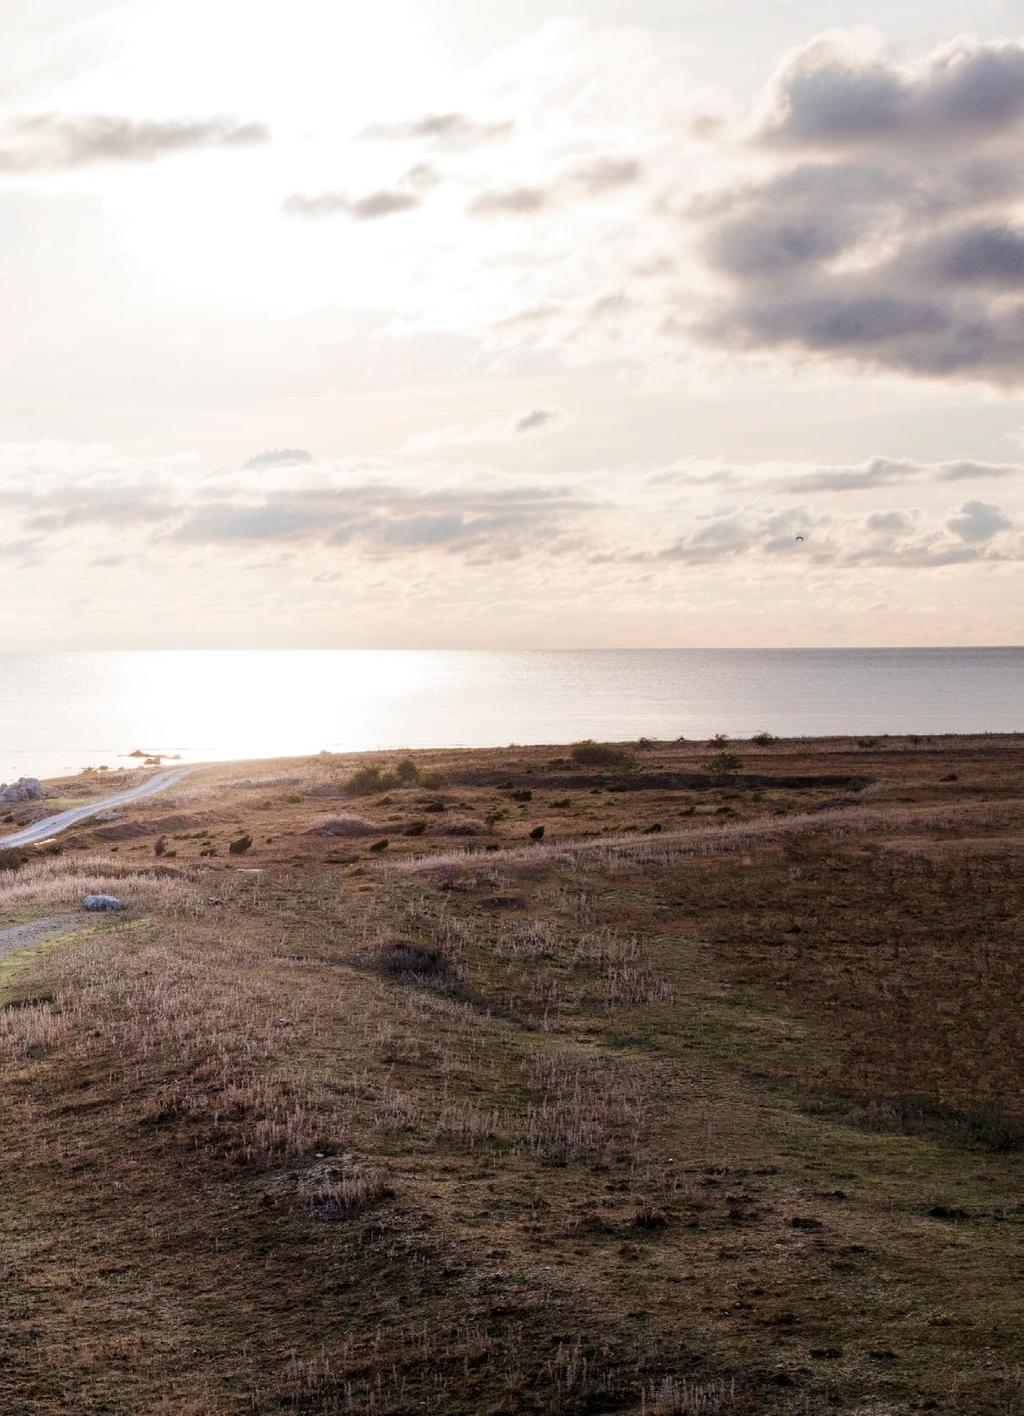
(640, 1140)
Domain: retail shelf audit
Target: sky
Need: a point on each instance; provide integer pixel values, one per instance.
(439, 324)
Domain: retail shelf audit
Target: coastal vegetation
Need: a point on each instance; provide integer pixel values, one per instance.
(706, 1100)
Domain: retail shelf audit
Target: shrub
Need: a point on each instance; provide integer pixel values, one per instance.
(724, 764)
(407, 772)
(401, 960)
(240, 846)
(764, 739)
(589, 753)
(364, 781)
(11, 860)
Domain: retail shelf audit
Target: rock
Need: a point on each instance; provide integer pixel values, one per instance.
(537, 834)
(100, 903)
(24, 789)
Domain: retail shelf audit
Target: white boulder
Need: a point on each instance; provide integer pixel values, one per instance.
(100, 903)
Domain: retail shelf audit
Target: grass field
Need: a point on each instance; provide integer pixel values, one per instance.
(707, 1099)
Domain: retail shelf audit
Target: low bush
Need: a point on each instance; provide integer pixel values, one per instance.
(589, 753)
(724, 764)
(373, 778)
(365, 781)
(402, 960)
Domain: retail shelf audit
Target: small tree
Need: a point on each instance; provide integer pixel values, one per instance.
(724, 764)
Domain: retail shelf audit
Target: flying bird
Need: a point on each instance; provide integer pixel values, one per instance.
(799, 538)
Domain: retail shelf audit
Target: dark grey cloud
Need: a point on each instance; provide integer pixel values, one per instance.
(893, 242)
(278, 457)
(764, 244)
(445, 130)
(828, 96)
(371, 207)
(536, 419)
(51, 142)
(979, 254)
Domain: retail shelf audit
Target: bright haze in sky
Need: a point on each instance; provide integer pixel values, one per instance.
(441, 323)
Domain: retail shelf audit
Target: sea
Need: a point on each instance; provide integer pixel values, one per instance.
(60, 713)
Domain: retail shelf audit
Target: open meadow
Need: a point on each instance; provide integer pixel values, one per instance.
(662, 1079)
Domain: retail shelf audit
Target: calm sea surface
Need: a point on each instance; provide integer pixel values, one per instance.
(62, 712)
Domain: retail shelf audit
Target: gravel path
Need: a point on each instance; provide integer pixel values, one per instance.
(37, 931)
(51, 825)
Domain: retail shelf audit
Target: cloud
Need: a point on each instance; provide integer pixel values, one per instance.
(604, 174)
(381, 519)
(592, 178)
(888, 238)
(511, 201)
(977, 471)
(977, 522)
(536, 419)
(531, 423)
(876, 472)
(762, 534)
(840, 91)
(51, 142)
(889, 522)
(445, 130)
(373, 206)
(63, 508)
(278, 457)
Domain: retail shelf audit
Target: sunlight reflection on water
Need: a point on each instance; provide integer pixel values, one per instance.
(60, 712)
